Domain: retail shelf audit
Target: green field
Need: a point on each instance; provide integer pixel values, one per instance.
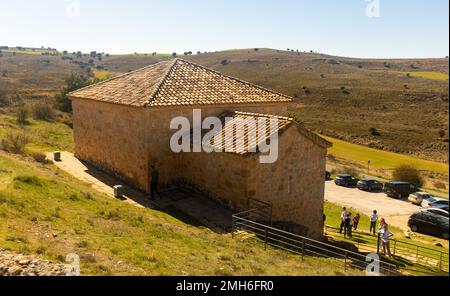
(29, 51)
(427, 75)
(102, 75)
(381, 159)
(43, 136)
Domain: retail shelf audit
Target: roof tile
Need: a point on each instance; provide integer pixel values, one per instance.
(180, 83)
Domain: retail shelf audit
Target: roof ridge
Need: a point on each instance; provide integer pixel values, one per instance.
(264, 115)
(161, 82)
(235, 79)
(116, 77)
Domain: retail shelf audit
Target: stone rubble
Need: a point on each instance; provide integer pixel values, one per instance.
(19, 265)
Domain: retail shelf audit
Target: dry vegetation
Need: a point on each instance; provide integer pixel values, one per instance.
(368, 102)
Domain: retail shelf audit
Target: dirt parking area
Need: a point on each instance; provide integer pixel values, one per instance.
(396, 212)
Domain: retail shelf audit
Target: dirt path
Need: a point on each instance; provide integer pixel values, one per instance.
(396, 212)
(193, 204)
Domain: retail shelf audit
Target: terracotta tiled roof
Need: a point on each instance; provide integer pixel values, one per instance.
(239, 137)
(178, 83)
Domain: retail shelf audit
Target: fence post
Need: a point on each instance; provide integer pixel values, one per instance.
(232, 227)
(395, 246)
(417, 254)
(345, 261)
(440, 262)
(378, 244)
(303, 249)
(265, 239)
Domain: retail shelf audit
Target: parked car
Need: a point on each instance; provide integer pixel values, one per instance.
(441, 212)
(369, 185)
(418, 197)
(439, 204)
(346, 180)
(399, 189)
(429, 223)
(327, 176)
(429, 200)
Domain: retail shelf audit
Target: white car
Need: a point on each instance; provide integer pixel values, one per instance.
(418, 197)
(426, 203)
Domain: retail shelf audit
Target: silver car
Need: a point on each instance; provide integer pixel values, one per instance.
(418, 197)
(426, 203)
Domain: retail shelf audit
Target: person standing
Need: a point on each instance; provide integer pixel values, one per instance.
(343, 217)
(356, 221)
(348, 225)
(154, 183)
(373, 222)
(386, 235)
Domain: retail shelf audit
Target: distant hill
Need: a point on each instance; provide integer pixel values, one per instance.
(397, 105)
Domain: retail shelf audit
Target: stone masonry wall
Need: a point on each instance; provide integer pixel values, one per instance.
(158, 138)
(294, 185)
(112, 137)
(125, 140)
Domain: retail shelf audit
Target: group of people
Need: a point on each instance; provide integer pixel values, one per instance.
(350, 224)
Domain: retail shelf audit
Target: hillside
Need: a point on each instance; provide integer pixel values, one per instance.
(395, 105)
(46, 213)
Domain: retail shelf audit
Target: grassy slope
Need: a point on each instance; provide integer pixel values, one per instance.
(427, 75)
(43, 136)
(381, 159)
(333, 213)
(47, 212)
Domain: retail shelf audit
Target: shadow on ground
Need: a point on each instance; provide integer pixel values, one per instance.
(184, 204)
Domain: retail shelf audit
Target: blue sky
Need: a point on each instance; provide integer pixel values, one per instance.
(404, 28)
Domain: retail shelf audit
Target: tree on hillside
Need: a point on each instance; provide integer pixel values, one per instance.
(73, 82)
(409, 174)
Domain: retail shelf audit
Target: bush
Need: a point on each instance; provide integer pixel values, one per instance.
(409, 174)
(30, 180)
(43, 111)
(349, 170)
(14, 143)
(439, 185)
(22, 116)
(40, 157)
(374, 132)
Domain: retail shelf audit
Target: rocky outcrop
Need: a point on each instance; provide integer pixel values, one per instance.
(19, 265)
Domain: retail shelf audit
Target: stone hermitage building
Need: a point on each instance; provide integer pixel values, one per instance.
(122, 125)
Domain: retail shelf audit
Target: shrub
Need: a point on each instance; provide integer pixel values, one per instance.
(224, 62)
(439, 185)
(22, 116)
(43, 111)
(409, 174)
(31, 180)
(14, 143)
(331, 157)
(349, 170)
(374, 132)
(40, 157)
